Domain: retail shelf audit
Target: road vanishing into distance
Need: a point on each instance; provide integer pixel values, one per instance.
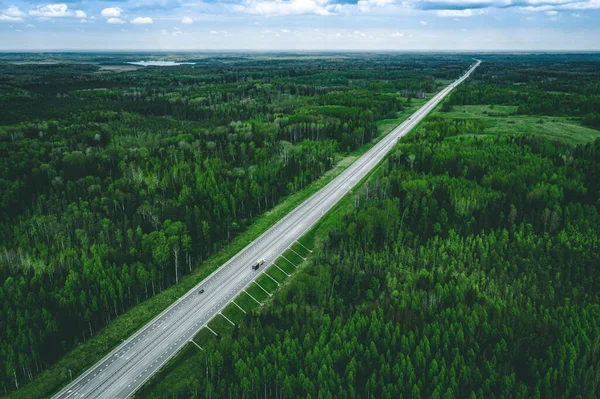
(124, 370)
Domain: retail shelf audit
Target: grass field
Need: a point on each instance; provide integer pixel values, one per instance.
(503, 120)
(87, 353)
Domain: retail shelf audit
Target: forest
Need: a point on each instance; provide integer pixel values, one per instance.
(116, 181)
(466, 266)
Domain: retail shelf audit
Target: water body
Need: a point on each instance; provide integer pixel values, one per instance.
(160, 63)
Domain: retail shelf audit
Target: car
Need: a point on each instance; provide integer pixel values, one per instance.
(409, 118)
(201, 291)
(258, 264)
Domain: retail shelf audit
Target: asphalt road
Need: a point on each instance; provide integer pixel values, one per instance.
(124, 370)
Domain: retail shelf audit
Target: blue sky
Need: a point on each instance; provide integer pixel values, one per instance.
(301, 24)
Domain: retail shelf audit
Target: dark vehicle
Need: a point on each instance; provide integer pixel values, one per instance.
(258, 264)
(201, 291)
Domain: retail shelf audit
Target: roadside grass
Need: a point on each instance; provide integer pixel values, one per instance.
(220, 326)
(276, 274)
(292, 257)
(203, 335)
(246, 302)
(266, 283)
(269, 275)
(285, 265)
(85, 354)
(287, 261)
(233, 313)
(503, 120)
(298, 250)
(254, 291)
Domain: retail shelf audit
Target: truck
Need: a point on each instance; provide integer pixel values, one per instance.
(258, 264)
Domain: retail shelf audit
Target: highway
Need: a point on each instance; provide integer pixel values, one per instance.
(124, 370)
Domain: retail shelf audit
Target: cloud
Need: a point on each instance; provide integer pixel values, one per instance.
(59, 10)
(187, 20)
(142, 21)
(11, 14)
(397, 34)
(111, 12)
(551, 13)
(54, 11)
(368, 5)
(115, 21)
(8, 18)
(13, 11)
(285, 7)
(560, 5)
(213, 32)
(458, 13)
(461, 4)
(523, 5)
(423, 22)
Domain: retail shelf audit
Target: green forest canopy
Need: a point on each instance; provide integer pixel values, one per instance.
(467, 266)
(115, 184)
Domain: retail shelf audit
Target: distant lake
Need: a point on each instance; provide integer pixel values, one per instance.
(160, 63)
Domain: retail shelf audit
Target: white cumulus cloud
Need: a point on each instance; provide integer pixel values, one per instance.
(8, 18)
(51, 11)
(280, 7)
(368, 5)
(142, 21)
(423, 22)
(13, 11)
(111, 12)
(59, 10)
(115, 21)
(458, 13)
(187, 20)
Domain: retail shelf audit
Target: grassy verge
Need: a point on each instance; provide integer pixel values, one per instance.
(87, 353)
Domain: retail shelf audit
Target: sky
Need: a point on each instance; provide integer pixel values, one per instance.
(399, 25)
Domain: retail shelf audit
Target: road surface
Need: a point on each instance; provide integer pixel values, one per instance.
(126, 368)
